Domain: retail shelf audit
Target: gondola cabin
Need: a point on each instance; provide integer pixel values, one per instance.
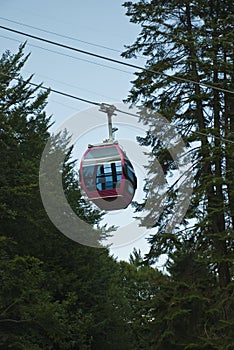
(107, 176)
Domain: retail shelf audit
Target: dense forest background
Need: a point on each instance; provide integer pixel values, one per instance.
(57, 294)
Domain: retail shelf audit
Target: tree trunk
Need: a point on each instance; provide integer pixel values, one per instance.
(214, 189)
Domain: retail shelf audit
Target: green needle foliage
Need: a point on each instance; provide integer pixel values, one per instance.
(191, 44)
(54, 292)
(58, 294)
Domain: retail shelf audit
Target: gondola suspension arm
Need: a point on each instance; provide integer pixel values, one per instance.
(110, 111)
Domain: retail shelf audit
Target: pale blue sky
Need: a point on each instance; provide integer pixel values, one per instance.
(98, 22)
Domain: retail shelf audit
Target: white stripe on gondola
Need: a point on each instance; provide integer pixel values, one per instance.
(97, 161)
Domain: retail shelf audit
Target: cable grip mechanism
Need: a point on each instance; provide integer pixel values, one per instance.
(110, 111)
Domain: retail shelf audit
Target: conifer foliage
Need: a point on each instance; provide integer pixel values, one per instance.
(58, 294)
(54, 292)
(189, 45)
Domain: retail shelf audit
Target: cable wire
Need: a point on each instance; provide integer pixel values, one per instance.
(61, 35)
(99, 104)
(70, 56)
(66, 94)
(40, 86)
(115, 60)
(196, 132)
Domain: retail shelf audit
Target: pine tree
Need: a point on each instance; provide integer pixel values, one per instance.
(142, 286)
(54, 293)
(189, 45)
(32, 313)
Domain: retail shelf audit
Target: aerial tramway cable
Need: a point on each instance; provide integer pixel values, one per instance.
(115, 60)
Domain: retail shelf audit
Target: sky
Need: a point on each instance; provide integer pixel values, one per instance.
(100, 27)
(102, 23)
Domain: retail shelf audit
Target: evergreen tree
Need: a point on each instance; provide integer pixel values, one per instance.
(54, 292)
(189, 45)
(142, 285)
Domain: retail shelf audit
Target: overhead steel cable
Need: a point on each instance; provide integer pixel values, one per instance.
(61, 35)
(70, 56)
(66, 94)
(40, 86)
(174, 77)
(196, 132)
(100, 104)
(68, 37)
